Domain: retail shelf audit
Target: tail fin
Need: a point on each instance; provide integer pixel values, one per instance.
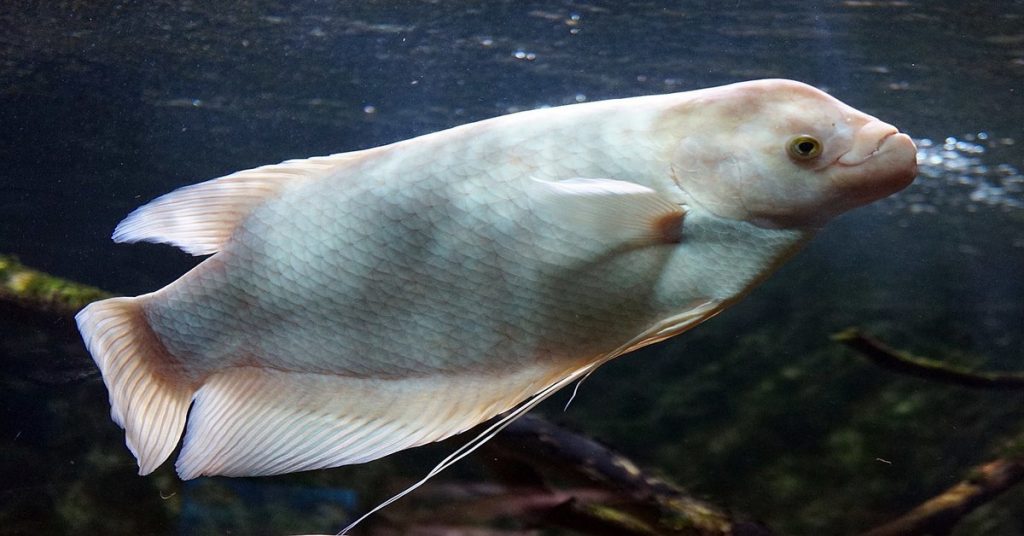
(149, 398)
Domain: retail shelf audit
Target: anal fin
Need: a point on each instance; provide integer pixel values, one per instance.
(250, 421)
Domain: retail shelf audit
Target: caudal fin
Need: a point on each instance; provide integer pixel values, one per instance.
(148, 397)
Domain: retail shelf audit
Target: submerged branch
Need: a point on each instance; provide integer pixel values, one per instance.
(36, 291)
(629, 501)
(929, 369)
(547, 476)
(941, 513)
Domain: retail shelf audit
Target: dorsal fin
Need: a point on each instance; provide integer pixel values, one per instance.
(200, 218)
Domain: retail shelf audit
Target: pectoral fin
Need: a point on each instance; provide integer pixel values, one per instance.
(620, 212)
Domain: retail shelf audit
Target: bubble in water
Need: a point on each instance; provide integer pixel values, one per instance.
(953, 174)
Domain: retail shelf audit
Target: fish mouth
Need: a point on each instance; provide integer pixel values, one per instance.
(870, 140)
(879, 169)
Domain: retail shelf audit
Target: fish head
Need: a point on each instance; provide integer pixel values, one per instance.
(782, 154)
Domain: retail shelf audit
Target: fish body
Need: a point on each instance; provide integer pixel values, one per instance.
(363, 303)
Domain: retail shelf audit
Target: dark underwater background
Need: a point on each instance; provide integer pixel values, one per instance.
(106, 105)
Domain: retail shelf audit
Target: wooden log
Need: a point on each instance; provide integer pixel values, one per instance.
(929, 369)
(38, 292)
(633, 501)
(940, 514)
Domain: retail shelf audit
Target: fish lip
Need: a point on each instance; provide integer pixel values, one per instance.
(898, 156)
(851, 159)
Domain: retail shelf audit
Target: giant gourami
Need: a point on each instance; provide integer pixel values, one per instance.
(363, 303)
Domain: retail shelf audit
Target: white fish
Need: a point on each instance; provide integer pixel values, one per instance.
(363, 303)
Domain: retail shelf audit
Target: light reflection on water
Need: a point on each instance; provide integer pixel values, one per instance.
(958, 173)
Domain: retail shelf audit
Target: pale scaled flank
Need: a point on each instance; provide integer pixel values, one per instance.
(363, 303)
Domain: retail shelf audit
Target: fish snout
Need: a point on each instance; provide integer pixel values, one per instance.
(867, 141)
(903, 157)
(882, 162)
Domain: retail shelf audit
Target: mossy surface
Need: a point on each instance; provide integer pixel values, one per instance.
(42, 291)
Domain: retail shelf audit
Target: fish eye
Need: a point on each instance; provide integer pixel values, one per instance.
(803, 147)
